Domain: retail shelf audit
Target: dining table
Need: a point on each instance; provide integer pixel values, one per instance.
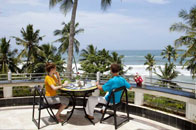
(83, 90)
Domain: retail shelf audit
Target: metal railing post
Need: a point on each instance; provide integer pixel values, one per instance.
(195, 89)
(7, 91)
(9, 76)
(97, 91)
(98, 76)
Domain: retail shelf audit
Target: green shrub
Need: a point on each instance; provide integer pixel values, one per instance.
(22, 91)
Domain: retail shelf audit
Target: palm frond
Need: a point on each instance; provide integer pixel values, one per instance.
(105, 4)
(180, 27)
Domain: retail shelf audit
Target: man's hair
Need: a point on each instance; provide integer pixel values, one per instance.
(115, 68)
(50, 66)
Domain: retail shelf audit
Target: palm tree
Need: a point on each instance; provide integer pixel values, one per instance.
(118, 59)
(65, 6)
(7, 57)
(191, 63)
(93, 61)
(189, 40)
(47, 54)
(29, 40)
(90, 51)
(150, 61)
(88, 61)
(169, 52)
(115, 58)
(167, 74)
(64, 39)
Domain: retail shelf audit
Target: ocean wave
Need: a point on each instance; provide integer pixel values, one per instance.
(141, 69)
(127, 56)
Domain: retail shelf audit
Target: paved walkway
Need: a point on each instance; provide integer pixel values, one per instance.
(21, 118)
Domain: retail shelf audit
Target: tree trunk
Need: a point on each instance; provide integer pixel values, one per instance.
(28, 58)
(150, 76)
(75, 64)
(71, 39)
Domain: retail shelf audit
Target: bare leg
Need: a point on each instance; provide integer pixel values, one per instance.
(61, 108)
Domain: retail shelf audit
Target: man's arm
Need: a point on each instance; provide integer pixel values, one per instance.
(99, 86)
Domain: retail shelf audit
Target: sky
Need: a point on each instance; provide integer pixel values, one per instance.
(126, 25)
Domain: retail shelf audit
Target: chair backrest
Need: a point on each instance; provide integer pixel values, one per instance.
(112, 96)
(39, 89)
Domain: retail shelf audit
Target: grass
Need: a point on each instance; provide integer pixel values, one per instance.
(165, 104)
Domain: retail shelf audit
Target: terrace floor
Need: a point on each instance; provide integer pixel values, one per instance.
(20, 117)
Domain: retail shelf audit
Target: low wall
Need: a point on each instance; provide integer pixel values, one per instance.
(145, 112)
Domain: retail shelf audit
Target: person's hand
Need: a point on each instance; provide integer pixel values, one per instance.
(97, 83)
(57, 74)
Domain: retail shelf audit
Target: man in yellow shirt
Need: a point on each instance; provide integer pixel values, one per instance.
(52, 84)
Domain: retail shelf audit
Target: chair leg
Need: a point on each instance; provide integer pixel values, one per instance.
(127, 107)
(39, 118)
(127, 112)
(103, 115)
(115, 122)
(33, 114)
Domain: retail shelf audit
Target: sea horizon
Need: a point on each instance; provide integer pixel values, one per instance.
(136, 60)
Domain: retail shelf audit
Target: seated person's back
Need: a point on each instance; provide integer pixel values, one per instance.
(115, 82)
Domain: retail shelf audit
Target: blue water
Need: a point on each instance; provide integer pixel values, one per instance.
(137, 57)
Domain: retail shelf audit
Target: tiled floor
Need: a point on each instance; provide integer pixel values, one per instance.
(21, 118)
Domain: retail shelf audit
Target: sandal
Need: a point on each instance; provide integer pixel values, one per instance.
(62, 115)
(101, 111)
(90, 117)
(59, 119)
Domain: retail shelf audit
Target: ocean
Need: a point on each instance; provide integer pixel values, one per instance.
(136, 59)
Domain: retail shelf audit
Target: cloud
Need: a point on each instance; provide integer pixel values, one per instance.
(149, 1)
(158, 1)
(98, 27)
(104, 30)
(26, 2)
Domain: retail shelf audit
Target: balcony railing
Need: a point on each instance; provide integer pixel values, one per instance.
(153, 89)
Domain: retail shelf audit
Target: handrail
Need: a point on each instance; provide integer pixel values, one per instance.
(171, 80)
(33, 76)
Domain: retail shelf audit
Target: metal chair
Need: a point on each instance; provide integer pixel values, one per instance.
(114, 106)
(43, 104)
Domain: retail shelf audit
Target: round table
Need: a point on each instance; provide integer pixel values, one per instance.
(71, 89)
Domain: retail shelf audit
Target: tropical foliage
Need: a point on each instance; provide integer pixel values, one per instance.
(8, 60)
(47, 54)
(167, 73)
(150, 62)
(169, 52)
(189, 39)
(93, 60)
(30, 42)
(65, 6)
(64, 39)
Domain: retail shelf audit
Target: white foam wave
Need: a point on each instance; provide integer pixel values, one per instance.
(142, 56)
(141, 69)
